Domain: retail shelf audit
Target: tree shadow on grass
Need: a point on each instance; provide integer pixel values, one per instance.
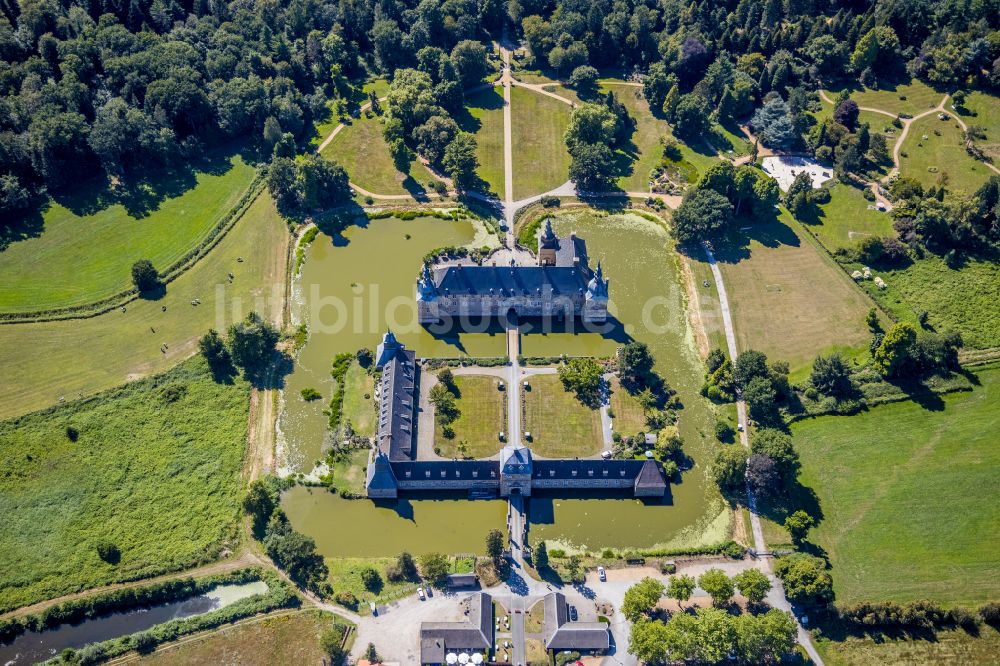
(30, 224)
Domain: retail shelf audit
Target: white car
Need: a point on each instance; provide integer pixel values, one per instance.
(602, 574)
(420, 593)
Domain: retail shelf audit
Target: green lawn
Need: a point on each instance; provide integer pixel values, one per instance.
(629, 416)
(646, 149)
(485, 120)
(86, 247)
(155, 470)
(357, 408)
(789, 299)
(984, 111)
(47, 360)
(846, 219)
(730, 140)
(349, 471)
(538, 123)
(961, 299)
(560, 426)
(919, 97)
(345, 576)
(908, 497)
(947, 647)
(361, 149)
(483, 416)
(941, 157)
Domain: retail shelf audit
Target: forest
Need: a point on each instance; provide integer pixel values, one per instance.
(121, 87)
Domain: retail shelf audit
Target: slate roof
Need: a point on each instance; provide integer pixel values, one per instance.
(475, 633)
(379, 474)
(584, 469)
(561, 634)
(650, 476)
(396, 408)
(446, 470)
(515, 460)
(511, 281)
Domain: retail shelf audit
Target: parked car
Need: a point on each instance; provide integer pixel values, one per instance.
(572, 613)
(602, 574)
(420, 593)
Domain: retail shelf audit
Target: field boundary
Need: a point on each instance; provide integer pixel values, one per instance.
(174, 271)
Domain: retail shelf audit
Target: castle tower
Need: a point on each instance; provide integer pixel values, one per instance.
(595, 308)
(548, 243)
(515, 470)
(427, 296)
(386, 349)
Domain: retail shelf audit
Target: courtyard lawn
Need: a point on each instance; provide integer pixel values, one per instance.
(483, 416)
(485, 120)
(629, 416)
(728, 138)
(560, 425)
(155, 470)
(538, 122)
(88, 242)
(919, 97)
(908, 497)
(962, 299)
(788, 297)
(984, 111)
(358, 406)
(946, 647)
(45, 361)
(361, 149)
(846, 219)
(290, 638)
(941, 157)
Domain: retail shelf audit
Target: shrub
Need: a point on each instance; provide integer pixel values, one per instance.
(72, 434)
(990, 613)
(549, 201)
(723, 431)
(309, 394)
(346, 599)
(448, 432)
(144, 276)
(144, 642)
(108, 552)
(371, 579)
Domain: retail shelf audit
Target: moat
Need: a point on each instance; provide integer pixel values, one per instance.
(349, 268)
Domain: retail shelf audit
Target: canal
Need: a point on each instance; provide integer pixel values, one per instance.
(35, 646)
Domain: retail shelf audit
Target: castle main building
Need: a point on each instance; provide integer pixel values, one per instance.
(560, 284)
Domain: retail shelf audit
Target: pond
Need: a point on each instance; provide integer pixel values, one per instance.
(378, 263)
(34, 646)
(418, 524)
(350, 289)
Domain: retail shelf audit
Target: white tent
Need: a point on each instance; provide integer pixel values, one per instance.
(451, 658)
(477, 658)
(463, 658)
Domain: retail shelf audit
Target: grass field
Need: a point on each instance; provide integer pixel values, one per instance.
(357, 408)
(984, 111)
(349, 472)
(730, 140)
(908, 496)
(788, 299)
(538, 123)
(941, 157)
(361, 149)
(485, 120)
(947, 647)
(44, 361)
(646, 150)
(86, 249)
(286, 638)
(961, 299)
(560, 426)
(345, 576)
(846, 219)
(919, 97)
(629, 416)
(483, 416)
(155, 471)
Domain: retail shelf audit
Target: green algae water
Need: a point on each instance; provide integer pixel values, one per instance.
(419, 524)
(350, 289)
(648, 303)
(375, 265)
